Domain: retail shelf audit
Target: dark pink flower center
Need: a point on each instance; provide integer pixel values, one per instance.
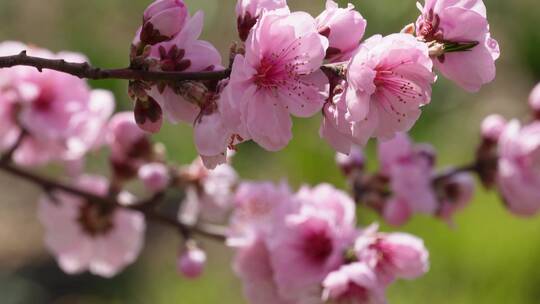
(44, 100)
(96, 219)
(429, 27)
(318, 246)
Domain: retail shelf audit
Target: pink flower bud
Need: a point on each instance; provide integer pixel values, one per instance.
(191, 263)
(534, 100)
(354, 161)
(493, 126)
(155, 176)
(519, 168)
(248, 11)
(344, 28)
(163, 19)
(148, 115)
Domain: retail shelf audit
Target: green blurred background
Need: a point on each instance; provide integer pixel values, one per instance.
(488, 257)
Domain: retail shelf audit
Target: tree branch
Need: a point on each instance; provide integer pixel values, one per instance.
(214, 232)
(85, 70)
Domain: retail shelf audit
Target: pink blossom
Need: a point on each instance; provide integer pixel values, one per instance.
(162, 20)
(278, 76)
(339, 131)
(89, 236)
(311, 242)
(519, 168)
(461, 21)
(458, 192)
(184, 53)
(191, 263)
(155, 176)
(124, 137)
(258, 208)
(344, 28)
(389, 79)
(253, 267)
(397, 211)
(210, 195)
(410, 172)
(534, 99)
(391, 256)
(249, 11)
(493, 126)
(63, 117)
(353, 283)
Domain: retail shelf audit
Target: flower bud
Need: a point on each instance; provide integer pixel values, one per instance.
(348, 163)
(248, 11)
(344, 28)
(148, 115)
(155, 176)
(534, 101)
(492, 127)
(162, 20)
(191, 263)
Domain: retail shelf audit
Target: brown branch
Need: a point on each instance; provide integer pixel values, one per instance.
(85, 70)
(217, 233)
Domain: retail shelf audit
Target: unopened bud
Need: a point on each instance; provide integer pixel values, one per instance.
(493, 126)
(192, 261)
(154, 176)
(148, 115)
(352, 162)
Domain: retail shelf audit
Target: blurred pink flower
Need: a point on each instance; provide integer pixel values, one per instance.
(252, 265)
(460, 21)
(534, 99)
(311, 242)
(249, 11)
(410, 172)
(63, 117)
(493, 126)
(89, 236)
(389, 79)
(353, 283)
(278, 76)
(393, 255)
(519, 168)
(458, 192)
(258, 208)
(155, 176)
(344, 28)
(162, 20)
(210, 195)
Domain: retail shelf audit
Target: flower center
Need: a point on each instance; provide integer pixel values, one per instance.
(44, 101)
(318, 246)
(96, 219)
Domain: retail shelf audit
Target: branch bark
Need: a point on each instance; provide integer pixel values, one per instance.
(85, 70)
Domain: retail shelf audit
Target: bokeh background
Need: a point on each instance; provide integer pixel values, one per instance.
(488, 257)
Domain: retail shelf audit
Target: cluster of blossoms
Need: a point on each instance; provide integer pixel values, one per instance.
(291, 63)
(302, 247)
(510, 158)
(305, 248)
(61, 117)
(406, 182)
